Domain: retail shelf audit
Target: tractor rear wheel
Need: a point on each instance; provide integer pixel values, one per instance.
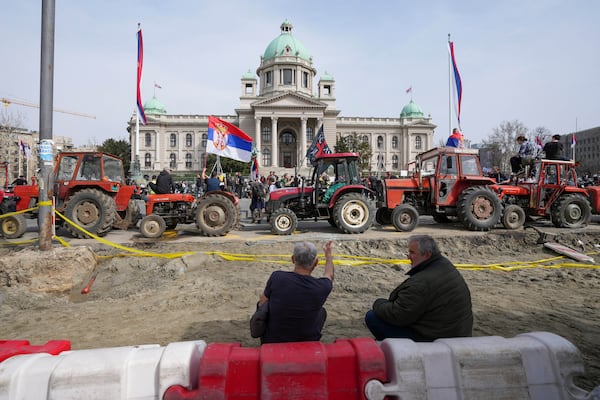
(479, 209)
(405, 217)
(91, 209)
(354, 213)
(571, 211)
(513, 217)
(13, 226)
(153, 226)
(283, 222)
(215, 215)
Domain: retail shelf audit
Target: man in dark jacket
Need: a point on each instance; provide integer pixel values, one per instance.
(164, 183)
(554, 149)
(434, 302)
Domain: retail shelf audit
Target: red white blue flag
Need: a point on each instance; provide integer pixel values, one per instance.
(254, 169)
(227, 140)
(140, 62)
(319, 146)
(457, 84)
(573, 140)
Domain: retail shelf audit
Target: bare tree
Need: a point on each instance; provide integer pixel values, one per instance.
(10, 124)
(502, 143)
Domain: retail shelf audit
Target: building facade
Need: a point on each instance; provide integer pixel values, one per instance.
(586, 150)
(281, 110)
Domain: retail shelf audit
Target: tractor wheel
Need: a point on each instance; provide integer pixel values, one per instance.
(479, 209)
(405, 218)
(354, 213)
(13, 226)
(283, 222)
(513, 217)
(91, 209)
(571, 211)
(152, 226)
(383, 216)
(215, 215)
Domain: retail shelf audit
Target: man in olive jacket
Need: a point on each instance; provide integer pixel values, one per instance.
(434, 302)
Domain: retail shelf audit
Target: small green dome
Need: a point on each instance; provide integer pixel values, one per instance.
(153, 106)
(412, 110)
(286, 44)
(249, 75)
(327, 77)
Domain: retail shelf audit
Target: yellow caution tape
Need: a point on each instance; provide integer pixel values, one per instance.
(45, 203)
(18, 212)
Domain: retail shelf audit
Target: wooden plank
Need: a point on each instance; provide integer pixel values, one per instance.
(569, 252)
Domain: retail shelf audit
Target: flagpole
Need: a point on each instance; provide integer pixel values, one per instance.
(449, 89)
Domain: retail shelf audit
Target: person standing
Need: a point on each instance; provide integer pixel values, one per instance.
(291, 306)
(554, 149)
(434, 302)
(164, 182)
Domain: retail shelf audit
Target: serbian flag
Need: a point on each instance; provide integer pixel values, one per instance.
(573, 140)
(539, 142)
(457, 86)
(319, 146)
(254, 169)
(227, 140)
(140, 62)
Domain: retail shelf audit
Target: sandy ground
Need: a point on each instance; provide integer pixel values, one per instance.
(205, 296)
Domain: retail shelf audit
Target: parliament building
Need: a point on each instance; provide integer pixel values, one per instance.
(281, 106)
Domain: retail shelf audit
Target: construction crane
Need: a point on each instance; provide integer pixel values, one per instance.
(7, 102)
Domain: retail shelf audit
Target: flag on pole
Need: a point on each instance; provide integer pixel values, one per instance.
(319, 146)
(254, 168)
(28, 150)
(409, 90)
(539, 142)
(22, 145)
(573, 140)
(156, 85)
(140, 62)
(227, 140)
(457, 84)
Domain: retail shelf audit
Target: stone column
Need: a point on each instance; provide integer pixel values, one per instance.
(157, 158)
(274, 149)
(257, 134)
(302, 142)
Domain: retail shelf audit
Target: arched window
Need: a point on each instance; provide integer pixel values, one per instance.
(310, 134)
(418, 142)
(147, 160)
(148, 140)
(266, 134)
(173, 140)
(380, 162)
(266, 158)
(188, 140)
(394, 142)
(364, 139)
(188, 160)
(204, 139)
(203, 158)
(288, 138)
(173, 162)
(395, 161)
(380, 142)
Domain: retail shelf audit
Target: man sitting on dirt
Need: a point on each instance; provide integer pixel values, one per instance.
(164, 182)
(434, 302)
(291, 307)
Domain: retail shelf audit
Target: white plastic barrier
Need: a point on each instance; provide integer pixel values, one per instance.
(538, 365)
(135, 372)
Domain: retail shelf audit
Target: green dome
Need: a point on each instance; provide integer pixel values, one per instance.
(249, 75)
(327, 77)
(411, 110)
(153, 106)
(285, 43)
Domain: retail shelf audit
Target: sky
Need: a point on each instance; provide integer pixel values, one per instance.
(535, 61)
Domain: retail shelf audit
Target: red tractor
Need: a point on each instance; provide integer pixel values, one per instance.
(90, 190)
(448, 182)
(215, 213)
(550, 192)
(345, 202)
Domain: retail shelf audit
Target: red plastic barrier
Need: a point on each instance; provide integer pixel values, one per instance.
(9, 348)
(304, 370)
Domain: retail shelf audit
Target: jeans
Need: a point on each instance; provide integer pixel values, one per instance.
(382, 330)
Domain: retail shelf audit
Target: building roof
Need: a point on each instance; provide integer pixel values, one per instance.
(412, 110)
(286, 44)
(153, 106)
(327, 77)
(249, 75)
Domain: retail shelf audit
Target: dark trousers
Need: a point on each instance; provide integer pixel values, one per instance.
(382, 330)
(515, 164)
